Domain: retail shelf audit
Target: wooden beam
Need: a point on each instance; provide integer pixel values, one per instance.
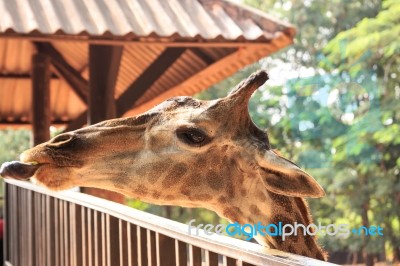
(152, 73)
(203, 56)
(22, 76)
(65, 70)
(283, 38)
(27, 125)
(40, 98)
(104, 62)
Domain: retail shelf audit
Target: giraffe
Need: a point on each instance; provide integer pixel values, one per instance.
(185, 152)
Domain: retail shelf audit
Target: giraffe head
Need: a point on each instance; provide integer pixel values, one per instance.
(183, 151)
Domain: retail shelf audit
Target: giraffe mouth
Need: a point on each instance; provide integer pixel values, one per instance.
(18, 170)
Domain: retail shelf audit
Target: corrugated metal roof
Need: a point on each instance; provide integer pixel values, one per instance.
(221, 31)
(209, 20)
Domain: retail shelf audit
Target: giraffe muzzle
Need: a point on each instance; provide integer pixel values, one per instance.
(18, 170)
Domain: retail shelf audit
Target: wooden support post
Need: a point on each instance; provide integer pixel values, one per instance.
(40, 98)
(104, 62)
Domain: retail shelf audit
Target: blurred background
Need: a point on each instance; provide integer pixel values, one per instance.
(332, 105)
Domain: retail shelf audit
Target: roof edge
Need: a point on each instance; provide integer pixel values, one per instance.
(261, 16)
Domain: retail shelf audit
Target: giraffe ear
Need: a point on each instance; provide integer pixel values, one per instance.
(281, 176)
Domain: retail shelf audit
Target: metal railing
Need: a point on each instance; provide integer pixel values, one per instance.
(71, 228)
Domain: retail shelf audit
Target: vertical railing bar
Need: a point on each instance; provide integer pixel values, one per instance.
(134, 248)
(227, 261)
(22, 217)
(148, 247)
(183, 253)
(30, 217)
(96, 238)
(158, 249)
(36, 230)
(130, 242)
(194, 255)
(121, 242)
(18, 227)
(51, 230)
(13, 226)
(90, 261)
(6, 188)
(211, 258)
(43, 217)
(113, 241)
(66, 233)
(124, 242)
(19, 259)
(72, 235)
(10, 220)
(84, 222)
(56, 232)
(13, 201)
(165, 250)
(61, 232)
(142, 246)
(105, 237)
(139, 245)
(151, 255)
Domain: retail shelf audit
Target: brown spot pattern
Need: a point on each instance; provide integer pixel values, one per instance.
(215, 180)
(170, 197)
(185, 191)
(174, 176)
(232, 214)
(230, 190)
(222, 200)
(141, 190)
(192, 182)
(254, 210)
(156, 195)
(120, 181)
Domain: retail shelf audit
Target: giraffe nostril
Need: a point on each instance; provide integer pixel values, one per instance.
(61, 139)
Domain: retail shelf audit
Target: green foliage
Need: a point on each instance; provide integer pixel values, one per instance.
(12, 143)
(378, 35)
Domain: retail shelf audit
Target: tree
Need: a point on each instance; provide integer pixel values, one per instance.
(378, 39)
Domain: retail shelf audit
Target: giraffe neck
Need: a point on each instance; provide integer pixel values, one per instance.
(268, 208)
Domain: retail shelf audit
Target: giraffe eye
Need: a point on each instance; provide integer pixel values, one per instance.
(192, 136)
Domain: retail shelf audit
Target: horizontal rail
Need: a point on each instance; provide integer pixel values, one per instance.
(72, 228)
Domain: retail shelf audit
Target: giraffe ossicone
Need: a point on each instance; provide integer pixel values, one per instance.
(189, 153)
